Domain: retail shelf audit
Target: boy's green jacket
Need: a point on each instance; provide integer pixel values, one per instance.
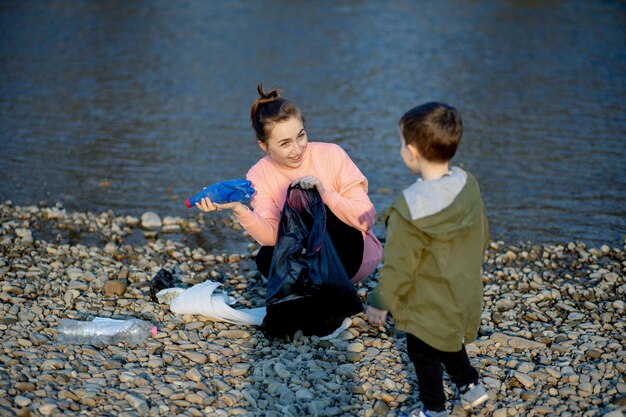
(431, 275)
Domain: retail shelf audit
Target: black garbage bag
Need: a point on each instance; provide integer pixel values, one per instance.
(308, 288)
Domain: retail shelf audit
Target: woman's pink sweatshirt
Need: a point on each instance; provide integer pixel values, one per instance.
(345, 194)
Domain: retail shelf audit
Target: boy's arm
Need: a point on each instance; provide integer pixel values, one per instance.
(401, 256)
(375, 316)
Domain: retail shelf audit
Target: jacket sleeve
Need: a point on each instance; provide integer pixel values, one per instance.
(262, 223)
(350, 202)
(401, 257)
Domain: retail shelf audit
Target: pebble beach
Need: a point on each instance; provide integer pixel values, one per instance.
(552, 340)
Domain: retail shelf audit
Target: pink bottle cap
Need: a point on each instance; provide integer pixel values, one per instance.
(154, 331)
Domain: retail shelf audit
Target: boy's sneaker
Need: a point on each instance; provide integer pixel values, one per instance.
(473, 395)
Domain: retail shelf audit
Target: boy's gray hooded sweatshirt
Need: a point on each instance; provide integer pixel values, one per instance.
(431, 281)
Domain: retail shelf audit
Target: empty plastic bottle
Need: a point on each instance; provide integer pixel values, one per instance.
(104, 331)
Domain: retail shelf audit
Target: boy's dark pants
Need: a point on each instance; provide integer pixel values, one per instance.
(428, 361)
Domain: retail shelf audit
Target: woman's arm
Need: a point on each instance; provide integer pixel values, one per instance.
(352, 206)
(262, 223)
(350, 203)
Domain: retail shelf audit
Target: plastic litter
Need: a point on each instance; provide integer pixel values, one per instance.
(224, 192)
(204, 300)
(163, 279)
(104, 331)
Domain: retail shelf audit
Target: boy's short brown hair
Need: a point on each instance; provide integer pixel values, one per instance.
(435, 129)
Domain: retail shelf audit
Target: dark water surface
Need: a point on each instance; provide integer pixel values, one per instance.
(134, 106)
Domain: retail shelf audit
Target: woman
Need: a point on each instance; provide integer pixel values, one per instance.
(291, 159)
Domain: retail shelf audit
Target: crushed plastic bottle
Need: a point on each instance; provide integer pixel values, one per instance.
(104, 331)
(224, 192)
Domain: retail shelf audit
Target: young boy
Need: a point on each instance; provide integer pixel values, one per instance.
(431, 282)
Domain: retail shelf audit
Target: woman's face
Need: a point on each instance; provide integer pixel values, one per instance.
(286, 143)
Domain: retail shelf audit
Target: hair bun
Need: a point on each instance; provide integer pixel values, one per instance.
(271, 95)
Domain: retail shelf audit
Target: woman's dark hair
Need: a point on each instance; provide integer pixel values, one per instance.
(270, 108)
(435, 129)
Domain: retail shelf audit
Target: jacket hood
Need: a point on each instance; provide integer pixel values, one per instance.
(442, 207)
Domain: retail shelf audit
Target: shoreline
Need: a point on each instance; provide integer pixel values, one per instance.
(551, 343)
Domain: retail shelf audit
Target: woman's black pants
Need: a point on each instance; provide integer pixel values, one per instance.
(347, 241)
(428, 361)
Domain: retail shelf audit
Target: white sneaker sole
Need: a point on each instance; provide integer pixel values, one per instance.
(347, 322)
(478, 401)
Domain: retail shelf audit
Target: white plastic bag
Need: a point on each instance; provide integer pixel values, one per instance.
(202, 299)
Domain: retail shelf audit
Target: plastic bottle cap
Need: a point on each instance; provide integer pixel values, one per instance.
(188, 203)
(154, 331)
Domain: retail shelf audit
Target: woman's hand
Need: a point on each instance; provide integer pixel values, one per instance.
(375, 316)
(309, 182)
(207, 205)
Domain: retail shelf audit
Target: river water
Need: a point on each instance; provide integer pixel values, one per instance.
(134, 106)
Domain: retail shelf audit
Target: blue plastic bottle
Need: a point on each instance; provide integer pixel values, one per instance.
(224, 192)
